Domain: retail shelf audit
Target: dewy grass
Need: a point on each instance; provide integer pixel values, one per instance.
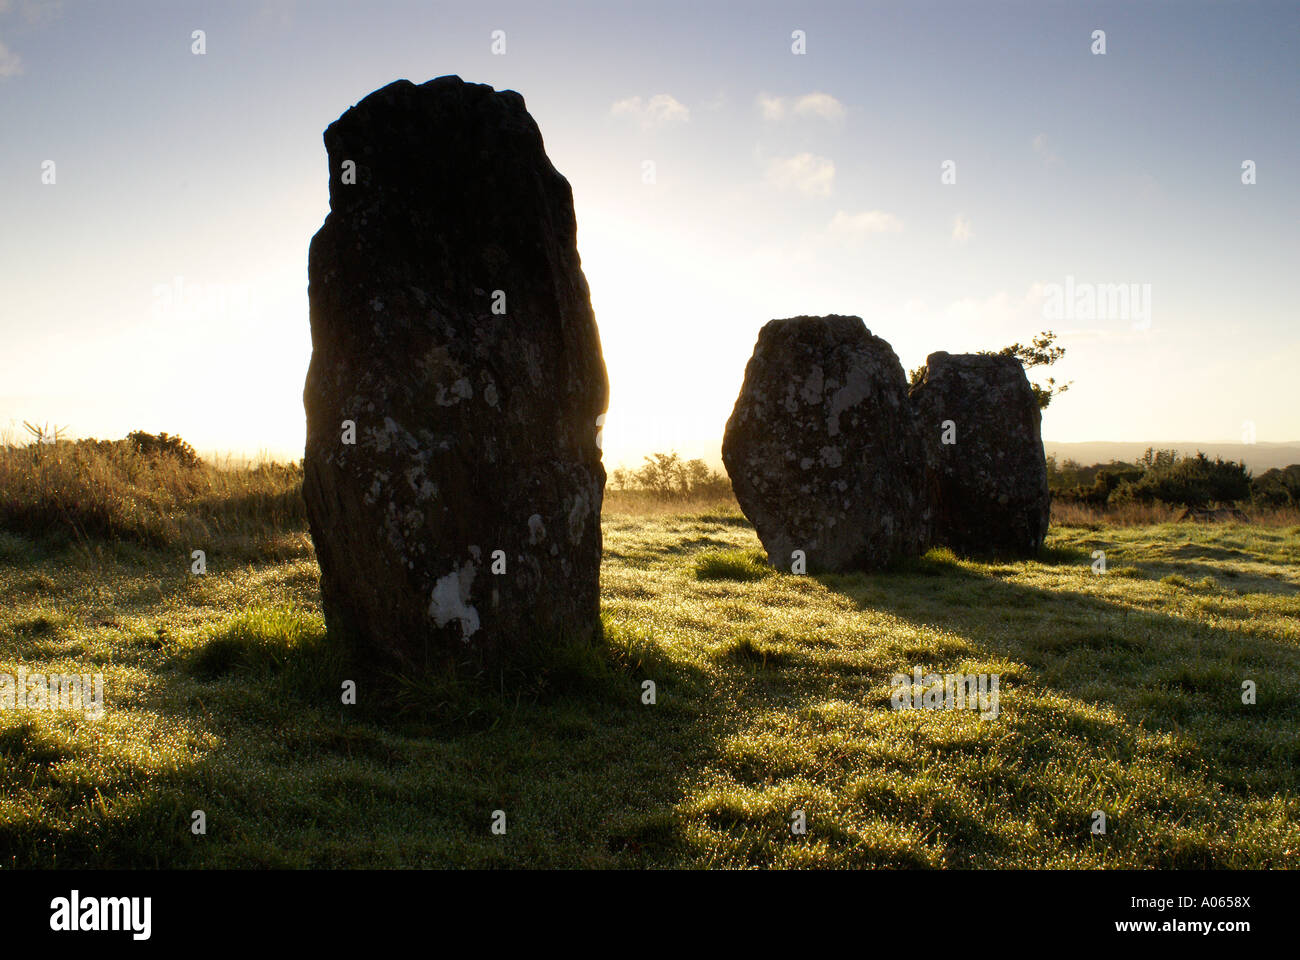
(260, 640)
(742, 565)
(768, 696)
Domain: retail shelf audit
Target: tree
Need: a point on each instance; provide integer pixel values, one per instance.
(1042, 351)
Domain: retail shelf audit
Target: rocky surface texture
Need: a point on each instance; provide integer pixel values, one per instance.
(823, 449)
(991, 494)
(452, 325)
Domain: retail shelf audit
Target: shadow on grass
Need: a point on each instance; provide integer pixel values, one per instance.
(589, 774)
(1160, 671)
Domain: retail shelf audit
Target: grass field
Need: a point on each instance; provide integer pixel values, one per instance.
(1119, 692)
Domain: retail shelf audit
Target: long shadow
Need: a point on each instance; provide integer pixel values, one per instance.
(1161, 671)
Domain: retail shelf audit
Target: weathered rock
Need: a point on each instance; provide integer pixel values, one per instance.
(991, 494)
(823, 449)
(452, 324)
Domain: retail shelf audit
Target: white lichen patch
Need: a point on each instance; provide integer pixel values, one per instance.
(857, 389)
(451, 600)
(812, 387)
(462, 389)
(387, 437)
(578, 514)
(423, 487)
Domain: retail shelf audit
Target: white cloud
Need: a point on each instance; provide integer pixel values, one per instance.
(816, 104)
(870, 221)
(804, 172)
(773, 107)
(1045, 151)
(819, 105)
(10, 63)
(961, 231)
(661, 110)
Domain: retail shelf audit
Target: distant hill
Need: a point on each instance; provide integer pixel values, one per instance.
(1256, 456)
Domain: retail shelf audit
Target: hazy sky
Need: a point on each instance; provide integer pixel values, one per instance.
(782, 184)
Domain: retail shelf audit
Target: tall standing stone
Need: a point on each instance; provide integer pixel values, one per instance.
(991, 497)
(452, 326)
(822, 447)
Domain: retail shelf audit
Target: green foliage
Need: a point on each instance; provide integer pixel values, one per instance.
(1042, 351)
(1188, 481)
(1162, 476)
(1278, 487)
(1093, 485)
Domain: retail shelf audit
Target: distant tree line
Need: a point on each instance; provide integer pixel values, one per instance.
(1167, 476)
(666, 476)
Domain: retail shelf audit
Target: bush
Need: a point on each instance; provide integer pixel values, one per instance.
(1190, 481)
(162, 445)
(1277, 488)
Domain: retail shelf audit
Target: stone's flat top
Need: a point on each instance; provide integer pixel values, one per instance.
(449, 88)
(830, 320)
(413, 138)
(987, 361)
(834, 327)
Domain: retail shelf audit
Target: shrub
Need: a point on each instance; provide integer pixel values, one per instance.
(1190, 481)
(1277, 487)
(162, 445)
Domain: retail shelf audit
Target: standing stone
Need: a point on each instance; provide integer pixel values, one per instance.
(451, 323)
(823, 449)
(991, 495)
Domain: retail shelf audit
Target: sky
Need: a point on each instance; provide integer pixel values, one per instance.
(720, 179)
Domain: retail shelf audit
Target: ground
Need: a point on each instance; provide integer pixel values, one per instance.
(1120, 692)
